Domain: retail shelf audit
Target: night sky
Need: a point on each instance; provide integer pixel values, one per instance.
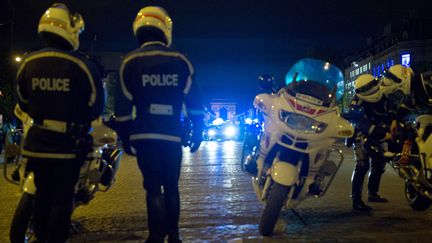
(229, 42)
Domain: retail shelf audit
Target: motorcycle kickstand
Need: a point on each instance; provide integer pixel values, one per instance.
(297, 214)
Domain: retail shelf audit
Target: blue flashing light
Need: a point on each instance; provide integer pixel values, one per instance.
(248, 121)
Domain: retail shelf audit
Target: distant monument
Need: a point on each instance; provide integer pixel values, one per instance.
(224, 108)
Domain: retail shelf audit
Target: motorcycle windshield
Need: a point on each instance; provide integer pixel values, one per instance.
(315, 81)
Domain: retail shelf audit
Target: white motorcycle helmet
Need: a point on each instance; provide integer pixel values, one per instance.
(157, 17)
(58, 20)
(397, 77)
(367, 88)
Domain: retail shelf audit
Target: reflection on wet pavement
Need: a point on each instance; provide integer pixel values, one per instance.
(217, 197)
(219, 205)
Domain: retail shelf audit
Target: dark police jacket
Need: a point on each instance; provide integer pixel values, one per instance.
(155, 82)
(62, 91)
(376, 118)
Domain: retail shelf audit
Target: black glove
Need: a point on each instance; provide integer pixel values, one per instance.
(186, 132)
(123, 130)
(380, 131)
(195, 141)
(128, 148)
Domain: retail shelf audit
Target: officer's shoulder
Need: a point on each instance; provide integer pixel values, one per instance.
(88, 60)
(151, 51)
(80, 55)
(160, 49)
(181, 55)
(53, 52)
(36, 53)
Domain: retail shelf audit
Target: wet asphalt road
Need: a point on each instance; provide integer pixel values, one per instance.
(219, 205)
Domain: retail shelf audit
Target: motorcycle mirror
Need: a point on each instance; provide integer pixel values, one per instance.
(266, 82)
(263, 102)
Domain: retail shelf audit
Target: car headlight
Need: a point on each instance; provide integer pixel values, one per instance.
(211, 132)
(300, 123)
(230, 131)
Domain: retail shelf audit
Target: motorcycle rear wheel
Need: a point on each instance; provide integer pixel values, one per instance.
(20, 230)
(415, 199)
(275, 201)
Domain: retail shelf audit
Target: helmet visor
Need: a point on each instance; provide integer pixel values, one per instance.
(369, 89)
(77, 22)
(393, 77)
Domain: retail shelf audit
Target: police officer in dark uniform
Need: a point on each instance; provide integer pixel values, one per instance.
(61, 90)
(157, 81)
(372, 129)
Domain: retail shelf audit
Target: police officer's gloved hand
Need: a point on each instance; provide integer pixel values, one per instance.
(127, 148)
(380, 132)
(195, 141)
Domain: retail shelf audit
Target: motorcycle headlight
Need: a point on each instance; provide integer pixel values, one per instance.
(300, 123)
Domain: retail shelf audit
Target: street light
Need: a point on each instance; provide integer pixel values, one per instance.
(18, 59)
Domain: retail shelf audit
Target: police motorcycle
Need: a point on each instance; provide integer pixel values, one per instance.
(295, 154)
(413, 158)
(96, 174)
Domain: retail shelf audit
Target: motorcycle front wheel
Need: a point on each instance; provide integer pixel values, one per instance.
(20, 230)
(415, 199)
(275, 201)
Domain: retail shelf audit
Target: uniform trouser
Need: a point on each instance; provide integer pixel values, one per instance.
(363, 163)
(55, 181)
(160, 163)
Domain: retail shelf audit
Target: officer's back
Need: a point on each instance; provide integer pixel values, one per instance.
(58, 85)
(157, 77)
(62, 93)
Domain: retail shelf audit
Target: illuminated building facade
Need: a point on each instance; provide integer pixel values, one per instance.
(408, 44)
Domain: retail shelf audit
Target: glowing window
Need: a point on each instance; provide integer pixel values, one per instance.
(406, 59)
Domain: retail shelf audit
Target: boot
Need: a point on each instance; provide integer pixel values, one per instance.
(359, 205)
(375, 197)
(357, 180)
(373, 185)
(156, 213)
(172, 201)
(174, 238)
